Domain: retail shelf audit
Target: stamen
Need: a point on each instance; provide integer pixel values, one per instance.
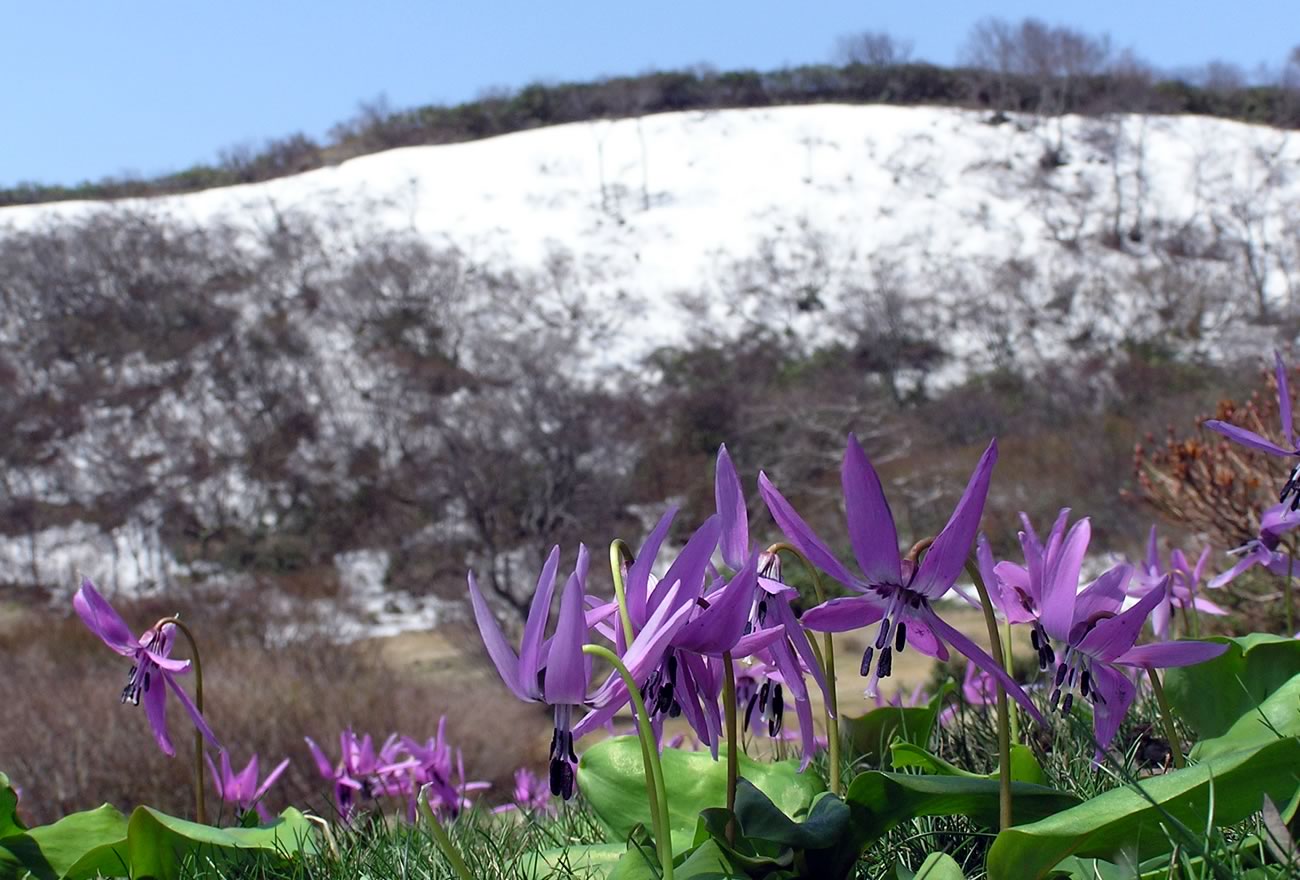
(900, 637)
(1060, 674)
(886, 663)
(1033, 640)
(865, 669)
(1085, 684)
(1069, 701)
(882, 637)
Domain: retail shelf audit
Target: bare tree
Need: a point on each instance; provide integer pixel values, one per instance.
(873, 48)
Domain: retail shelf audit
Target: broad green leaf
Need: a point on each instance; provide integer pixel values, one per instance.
(870, 735)
(160, 844)
(590, 861)
(9, 821)
(881, 800)
(1024, 766)
(705, 862)
(80, 845)
(1211, 696)
(769, 841)
(1125, 819)
(1277, 716)
(937, 866)
(612, 780)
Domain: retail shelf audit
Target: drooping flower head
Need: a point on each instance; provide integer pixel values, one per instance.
(153, 672)
(895, 591)
(1291, 489)
(241, 790)
(555, 672)
(1263, 549)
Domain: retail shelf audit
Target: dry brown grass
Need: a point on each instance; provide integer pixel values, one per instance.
(66, 741)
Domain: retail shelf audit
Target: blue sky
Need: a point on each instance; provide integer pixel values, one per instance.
(96, 87)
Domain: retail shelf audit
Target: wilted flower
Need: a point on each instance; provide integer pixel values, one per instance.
(241, 790)
(153, 671)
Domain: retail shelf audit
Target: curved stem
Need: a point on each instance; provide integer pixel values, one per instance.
(1004, 730)
(1167, 718)
(733, 755)
(828, 670)
(618, 551)
(200, 810)
(654, 773)
(440, 837)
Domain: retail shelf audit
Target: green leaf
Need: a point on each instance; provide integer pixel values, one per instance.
(1277, 716)
(881, 800)
(1125, 819)
(870, 735)
(937, 866)
(1024, 766)
(705, 862)
(160, 844)
(1211, 696)
(80, 845)
(577, 862)
(9, 821)
(613, 782)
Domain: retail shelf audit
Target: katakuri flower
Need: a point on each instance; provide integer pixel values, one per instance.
(893, 590)
(153, 672)
(241, 790)
(555, 672)
(1185, 579)
(1249, 438)
(1263, 549)
(531, 795)
(363, 773)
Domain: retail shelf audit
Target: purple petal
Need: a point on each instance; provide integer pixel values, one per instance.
(1205, 606)
(977, 654)
(807, 733)
(923, 639)
(1162, 654)
(947, 555)
(503, 657)
(218, 784)
(803, 537)
(720, 626)
(638, 576)
(176, 667)
(323, 764)
(103, 621)
(1257, 556)
(689, 566)
(155, 709)
(753, 642)
(1153, 551)
(730, 499)
(199, 721)
(843, 614)
(1161, 618)
(1247, 438)
(1115, 635)
(246, 779)
(1016, 590)
(799, 639)
(1116, 694)
(871, 523)
(530, 647)
(1061, 582)
(270, 779)
(1105, 595)
(566, 665)
(1283, 398)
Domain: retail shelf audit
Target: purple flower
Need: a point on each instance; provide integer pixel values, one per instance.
(1100, 645)
(153, 671)
(241, 790)
(1261, 444)
(362, 773)
(977, 689)
(893, 590)
(554, 672)
(433, 767)
(1184, 580)
(530, 795)
(1263, 550)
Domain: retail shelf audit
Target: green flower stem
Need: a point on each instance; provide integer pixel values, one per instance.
(444, 842)
(200, 810)
(827, 658)
(654, 774)
(1004, 729)
(618, 551)
(1167, 717)
(1286, 589)
(1014, 716)
(733, 742)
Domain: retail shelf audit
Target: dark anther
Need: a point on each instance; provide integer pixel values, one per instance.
(762, 611)
(1051, 655)
(1056, 697)
(886, 663)
(1069, 701)
(866, 661)
(900, 637)
(146, 682)
(749, 710)
(1060, 674)
(1033, 640)
(561, 778)
(882, 637)
(1085, 684)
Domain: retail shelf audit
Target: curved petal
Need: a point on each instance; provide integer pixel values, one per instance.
(1283, 398)
(638, 575)
(1205, 606)
(843, 614)
(270, 779)
(1162, 654)
(503, 656)
(188, 705)
(1115, 694)
(155, 709)
(1106, 594)
(218, 784)
(753, 642)
(1247, 438)
(323, 764)
(718, 627)
(530, 647)
(923, 639)
(730, 501)
(871, 523)
(803, 537)
(176, 667)
(1115, 635)
(102, 620)
(799, 639)
(689, 567)
(566, 665)
(976, 654)
(1061, 581)
(807, 733)
(947, 555)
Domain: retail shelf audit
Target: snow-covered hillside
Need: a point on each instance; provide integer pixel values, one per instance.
(1016, 244)
(666, 205)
